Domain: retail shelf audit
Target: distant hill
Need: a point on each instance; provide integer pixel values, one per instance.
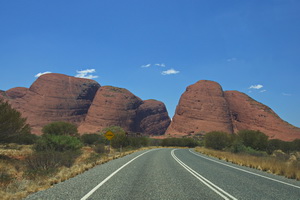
(204, 107)
(58, 97)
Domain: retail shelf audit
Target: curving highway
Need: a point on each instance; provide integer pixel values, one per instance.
(172, 174)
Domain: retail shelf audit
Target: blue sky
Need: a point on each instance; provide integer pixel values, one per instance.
(236, 43)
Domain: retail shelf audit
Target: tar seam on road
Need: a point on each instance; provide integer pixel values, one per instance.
(107, 178)
(247, 171)
(208, 183)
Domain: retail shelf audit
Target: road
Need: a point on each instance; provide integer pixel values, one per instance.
(172, 174)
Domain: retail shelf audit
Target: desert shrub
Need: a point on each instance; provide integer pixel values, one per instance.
(47, 162)
(25, 138)
(120, 139)
(273, 145)
(254, 152)
(296, 145)
(90, 139)
(237, 147)
(5, 178)
(180, 142)
(11, 122)
(216, 140)
(100, 148)
(138, 142)
(154, 142)
(57, 143)
(60, 128)
(254, 139)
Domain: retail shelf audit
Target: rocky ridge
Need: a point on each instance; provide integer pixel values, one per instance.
(58, 97)
(205, 107)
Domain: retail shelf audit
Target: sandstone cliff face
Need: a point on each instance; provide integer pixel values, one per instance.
(54, 97)
(17, 92)
(114, 106)
(2, 94)
(152, 118)
(202, 108)
(57, 97)
(249, 114)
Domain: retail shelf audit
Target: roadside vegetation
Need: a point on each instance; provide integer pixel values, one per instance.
(253, 149)
(30, 163)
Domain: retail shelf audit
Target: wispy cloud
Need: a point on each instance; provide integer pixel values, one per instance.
(231, 59)
(263, 91)
(146, 66)
(160, 65)
(42, 73)
(286, 94)
(257, 87)
(86, 74)
(169, 72)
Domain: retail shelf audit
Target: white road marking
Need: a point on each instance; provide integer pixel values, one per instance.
(246, 171)
(208, 183)
(107, 178)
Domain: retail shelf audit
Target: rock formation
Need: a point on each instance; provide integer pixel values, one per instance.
(57, 97)
(246, 113)
(54, 97)
(204, 107)
(114, 106)
(152, 118)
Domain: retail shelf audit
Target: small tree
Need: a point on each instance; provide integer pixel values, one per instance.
(254, 139)
(57, 143)
(216, 140)
(120, 139)
(11, 122)
(60, 128)
(90, 139)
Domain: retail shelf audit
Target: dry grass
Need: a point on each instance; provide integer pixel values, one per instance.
(14, 184)
(271, 164)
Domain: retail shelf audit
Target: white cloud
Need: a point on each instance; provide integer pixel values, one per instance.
(231, 59)
(146, 66)
(286, 94)
(257, 87)
(86, 74)
(160, 65)
(169, 72)
(263, 91)
(42, 73)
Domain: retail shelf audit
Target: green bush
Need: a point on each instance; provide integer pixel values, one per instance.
(254, 139)
(287, 147)
(216, 140)
(90, 139)
(237, 147)
(5, 178)
(25, 138)
(100, 148)
(296, 145)
(57, 143)
(120, 139)
(154, 142)
(180, 142)
(11, 123)
(47, 162)
(253, 152)
(60, 128)
(138, 142)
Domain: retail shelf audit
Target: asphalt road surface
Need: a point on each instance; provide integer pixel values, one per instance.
(172, 174)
